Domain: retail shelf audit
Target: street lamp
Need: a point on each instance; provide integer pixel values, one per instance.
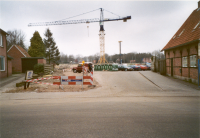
(120, 60)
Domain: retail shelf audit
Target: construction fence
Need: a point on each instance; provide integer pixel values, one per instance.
(158, 65)
(108, 67)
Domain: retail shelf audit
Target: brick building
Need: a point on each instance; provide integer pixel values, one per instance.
(183, 50)
(5, 59)
(17, 52)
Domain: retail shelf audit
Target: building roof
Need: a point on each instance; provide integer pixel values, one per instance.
(33, 58)
(188, 32)
(2, 31)
(21, 50)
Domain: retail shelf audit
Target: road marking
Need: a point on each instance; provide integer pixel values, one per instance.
(151, 81)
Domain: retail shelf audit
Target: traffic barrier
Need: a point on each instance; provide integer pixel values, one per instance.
(36, 81)
(75, 80)
(64, 80)
(54, 77)
(55, 83)
(71, 80)
(90, 78)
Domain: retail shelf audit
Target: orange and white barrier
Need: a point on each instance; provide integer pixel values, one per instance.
(67, 80)
(39, 79)
(75, 80)
(71, 80)
(90, 78)
(36, 80)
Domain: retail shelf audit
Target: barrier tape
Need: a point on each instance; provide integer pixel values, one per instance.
(54, 77)
(55, 83)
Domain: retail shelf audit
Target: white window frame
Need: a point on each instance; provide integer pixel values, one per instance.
(4, 63)
(183, 62)
(1, 40)
(181, 33)
(196, 26)
(199, 49)
(192, 56)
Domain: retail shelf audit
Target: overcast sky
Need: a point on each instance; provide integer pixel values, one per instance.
(152, 25)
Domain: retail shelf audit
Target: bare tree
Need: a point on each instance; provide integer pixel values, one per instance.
(63, 58)
(16, 37)
(158, 54)
(71, 58)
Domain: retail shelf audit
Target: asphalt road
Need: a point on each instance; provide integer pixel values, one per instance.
(129, 104)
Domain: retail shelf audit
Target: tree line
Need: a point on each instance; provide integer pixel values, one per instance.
(132, 57)
(38, 47)
(47, 48)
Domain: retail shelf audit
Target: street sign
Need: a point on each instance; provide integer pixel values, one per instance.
(29, 74)
(67, 80)
(73, 80)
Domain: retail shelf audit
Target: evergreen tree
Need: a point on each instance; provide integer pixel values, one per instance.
(57, 56)
(37, 48)
(52, 51)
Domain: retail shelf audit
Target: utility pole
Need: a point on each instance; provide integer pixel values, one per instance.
(120, 60)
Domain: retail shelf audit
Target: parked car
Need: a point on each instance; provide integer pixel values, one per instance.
(143, 67)
(148, 67)
(135, 67)
(79, 68)
(124, 68)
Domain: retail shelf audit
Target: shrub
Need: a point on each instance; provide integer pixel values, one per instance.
(38, 68)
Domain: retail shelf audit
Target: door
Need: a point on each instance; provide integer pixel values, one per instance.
(172, 71)
(28, 64)
(199, 72)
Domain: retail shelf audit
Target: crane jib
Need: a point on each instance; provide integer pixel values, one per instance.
(77, 21)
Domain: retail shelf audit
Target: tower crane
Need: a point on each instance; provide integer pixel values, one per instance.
(101, 31)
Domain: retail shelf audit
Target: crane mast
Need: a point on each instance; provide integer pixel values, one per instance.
(101, 21)
(102, 39)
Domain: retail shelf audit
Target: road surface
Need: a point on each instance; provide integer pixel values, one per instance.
(128, 104)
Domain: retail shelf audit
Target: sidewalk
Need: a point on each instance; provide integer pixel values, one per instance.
(168, 83)
(10, 82)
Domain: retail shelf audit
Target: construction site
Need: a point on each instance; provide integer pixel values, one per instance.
(96, 77)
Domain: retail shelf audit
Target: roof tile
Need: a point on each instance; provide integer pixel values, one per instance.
(23, 51)
(189, 34)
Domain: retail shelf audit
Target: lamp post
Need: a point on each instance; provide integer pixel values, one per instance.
(120, 60)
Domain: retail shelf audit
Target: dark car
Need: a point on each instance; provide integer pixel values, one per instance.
(124, 68)
(135, 67)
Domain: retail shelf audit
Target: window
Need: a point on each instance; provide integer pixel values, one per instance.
(2, 63)
(184, 62)
(193, 61)
(1, 40)
(181, 33)
(199, 49)
(195, 26)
